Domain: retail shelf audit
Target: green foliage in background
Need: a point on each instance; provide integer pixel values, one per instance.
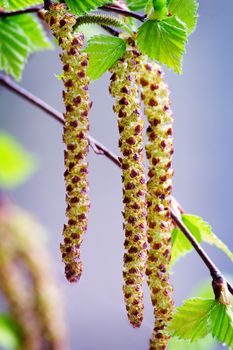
(10, 337)
(16, 164)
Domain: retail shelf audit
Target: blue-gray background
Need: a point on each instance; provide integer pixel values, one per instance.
(202, 103)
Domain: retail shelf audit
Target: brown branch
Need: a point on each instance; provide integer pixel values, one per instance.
(113, 9)
(214, 271)
(101, 149)
(123, 12)
(28, 96)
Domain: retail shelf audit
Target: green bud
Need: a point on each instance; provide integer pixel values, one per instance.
(157, 9)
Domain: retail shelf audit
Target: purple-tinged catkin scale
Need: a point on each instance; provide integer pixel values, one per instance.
(159, 149)
(77, 104)
(124, 89)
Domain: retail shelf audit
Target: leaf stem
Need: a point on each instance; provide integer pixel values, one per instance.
(101, 149)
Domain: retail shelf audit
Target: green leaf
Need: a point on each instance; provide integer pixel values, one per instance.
(136, 5)
(4, 4)
(191, 320)
(207, 343)
(103, 51)
(34, 32)
(181, 245)
(221, 324)
(13, 48)
(164, 41)
(13, 5)
(19, 36)
(79, 7)
(186, 10)
(10, 337)
(197, 224)
(202, 231)
(16, 164)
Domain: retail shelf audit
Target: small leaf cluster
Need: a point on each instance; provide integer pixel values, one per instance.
(202, 231)
(20, 36)
(167, 23)
(205, 316)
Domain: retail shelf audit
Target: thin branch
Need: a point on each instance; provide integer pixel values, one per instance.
(34, 9)
(101, 149)
(111, 30)
(123, 12)
(47, 4)
(28, 96)
(214, 271)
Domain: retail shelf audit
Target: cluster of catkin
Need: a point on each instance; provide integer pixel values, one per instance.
(27, 284)
(75, 137)
(147, 220)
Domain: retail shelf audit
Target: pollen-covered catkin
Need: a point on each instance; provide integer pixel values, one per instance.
(124, 89)
(76, 100)
(159, 150)
(36, 303)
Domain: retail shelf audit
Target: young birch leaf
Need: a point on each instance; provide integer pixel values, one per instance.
(136, 5)
(164, 41)
(21, 4)
(103, 51)
(16, 164)
(221, 324)
(14, 48)
(79, 7)
(36, 36)
(197, 224)
(207, 343)
(186, 11)
(19, 36)
(191, 320)
(180, 244)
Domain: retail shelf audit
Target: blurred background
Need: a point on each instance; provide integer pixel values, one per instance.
(201, 101)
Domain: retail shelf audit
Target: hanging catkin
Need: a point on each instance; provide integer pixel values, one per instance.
(76, 100)
(159, 150)
(36, 303)
(124, 89)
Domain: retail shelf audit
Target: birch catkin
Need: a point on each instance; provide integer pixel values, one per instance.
(159, 149)
(76, 100)
(124, 89)
(28, 283)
